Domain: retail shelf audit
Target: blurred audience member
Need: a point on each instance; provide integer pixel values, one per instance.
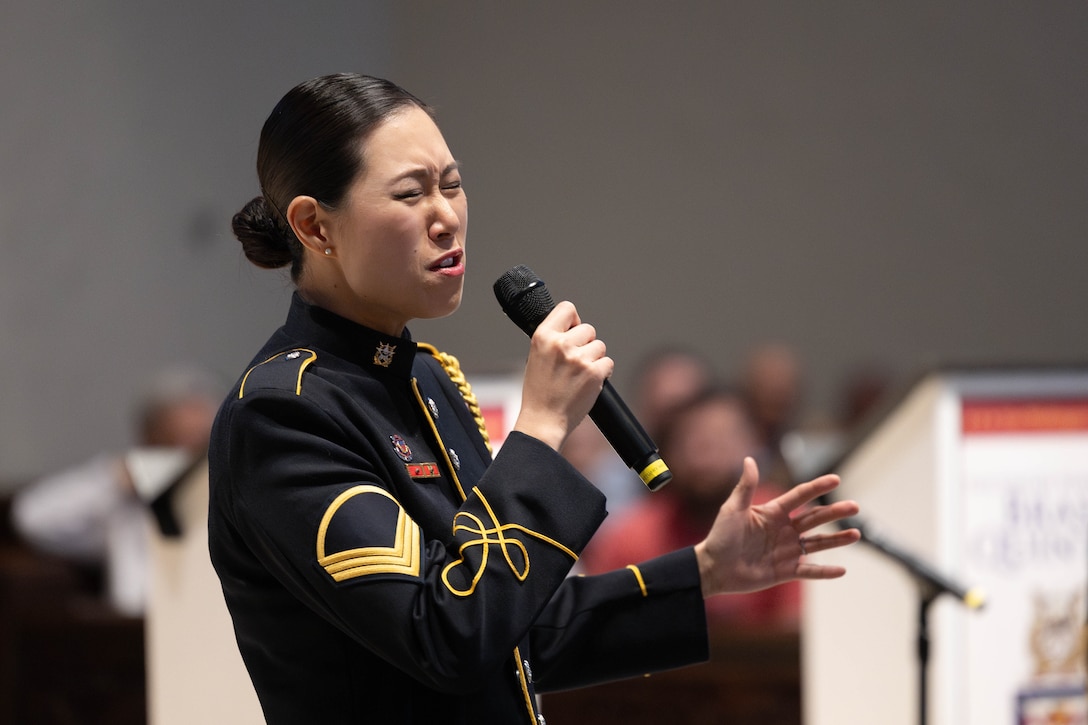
(90, 514)
(663, 379)
(863, 390)
(771, 383)
(704, 441)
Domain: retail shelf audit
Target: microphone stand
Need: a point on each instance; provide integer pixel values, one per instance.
(931, 584)
(926, 596)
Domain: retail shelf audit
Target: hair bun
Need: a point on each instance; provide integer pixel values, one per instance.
(265, 239)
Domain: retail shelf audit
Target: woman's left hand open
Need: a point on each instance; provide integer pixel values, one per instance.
(752, 547)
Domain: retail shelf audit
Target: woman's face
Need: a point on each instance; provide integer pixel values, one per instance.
(398, 239)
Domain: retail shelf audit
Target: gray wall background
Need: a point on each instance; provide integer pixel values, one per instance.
(898, 183)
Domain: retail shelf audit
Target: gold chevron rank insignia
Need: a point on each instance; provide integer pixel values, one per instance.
(402, 555)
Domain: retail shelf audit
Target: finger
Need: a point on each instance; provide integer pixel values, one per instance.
(819, 571)
(804, 493)
(568, 314)
(582, 334)
(821, 515)
(746, 487)
(822, 542)
(605, 366)
(593, 350)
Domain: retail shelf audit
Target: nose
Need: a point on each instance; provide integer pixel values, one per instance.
(445, 221)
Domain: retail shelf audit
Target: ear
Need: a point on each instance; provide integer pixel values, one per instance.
(308, 220)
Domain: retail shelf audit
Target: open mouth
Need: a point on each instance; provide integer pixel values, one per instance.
(450, 260)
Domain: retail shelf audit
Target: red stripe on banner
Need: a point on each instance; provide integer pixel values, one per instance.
(495, 420)
(1024, 416)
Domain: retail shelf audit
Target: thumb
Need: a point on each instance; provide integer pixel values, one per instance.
(746, 487)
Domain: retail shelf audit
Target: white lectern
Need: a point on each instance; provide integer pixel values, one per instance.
(980, 475)
(194, 671)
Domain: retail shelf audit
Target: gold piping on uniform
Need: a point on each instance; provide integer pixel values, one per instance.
(524, 686)
(453, 368)
(498, 536)
(302, 368)
(438, 439)
(638, 578)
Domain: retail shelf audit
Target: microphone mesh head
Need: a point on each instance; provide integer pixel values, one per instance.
(523, 297)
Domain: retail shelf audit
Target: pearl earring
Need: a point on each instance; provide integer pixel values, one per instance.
(328, 251)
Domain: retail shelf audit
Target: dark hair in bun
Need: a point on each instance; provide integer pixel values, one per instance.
(311, 145)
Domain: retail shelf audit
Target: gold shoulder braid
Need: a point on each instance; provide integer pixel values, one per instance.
(453, 369)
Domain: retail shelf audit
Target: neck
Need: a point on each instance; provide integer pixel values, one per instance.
(350, 308)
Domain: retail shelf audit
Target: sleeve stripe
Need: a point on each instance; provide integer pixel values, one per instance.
(638, 578)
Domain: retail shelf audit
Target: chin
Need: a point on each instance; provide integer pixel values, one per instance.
(444, 310)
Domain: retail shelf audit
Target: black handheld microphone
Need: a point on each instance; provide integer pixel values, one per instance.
(525, 300)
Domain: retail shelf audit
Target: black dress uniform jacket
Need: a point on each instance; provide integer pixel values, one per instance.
(381, 568)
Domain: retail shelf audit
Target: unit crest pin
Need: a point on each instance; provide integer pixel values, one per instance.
(401, 447)
(384, 354)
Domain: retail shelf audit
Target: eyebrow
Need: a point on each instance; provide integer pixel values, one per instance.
(422, 172)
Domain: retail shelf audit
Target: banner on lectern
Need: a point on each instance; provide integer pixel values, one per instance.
(1025, 526)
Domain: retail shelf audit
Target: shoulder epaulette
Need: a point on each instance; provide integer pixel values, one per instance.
(282, 371)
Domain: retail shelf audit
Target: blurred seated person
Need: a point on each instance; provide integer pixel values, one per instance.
(771, 384)
(90, 514)
(664, 378)
(704, 441)
(864, 389)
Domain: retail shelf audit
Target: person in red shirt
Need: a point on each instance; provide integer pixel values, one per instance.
(704, 440)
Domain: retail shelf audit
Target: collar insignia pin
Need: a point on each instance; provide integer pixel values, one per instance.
(384, 354)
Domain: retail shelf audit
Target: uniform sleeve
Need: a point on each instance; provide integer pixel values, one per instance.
(625, 623)
(310, 498)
